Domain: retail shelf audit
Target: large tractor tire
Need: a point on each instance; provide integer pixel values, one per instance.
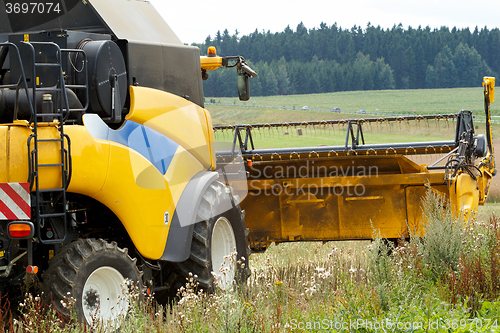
(219, 235)
(94, 273)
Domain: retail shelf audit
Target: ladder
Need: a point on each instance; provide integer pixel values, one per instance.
(50, 204)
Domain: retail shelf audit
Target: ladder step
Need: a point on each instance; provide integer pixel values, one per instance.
(49, 114)
(49, 140)
(41, 64)
(50, 165)
(75, 86)
(47, 89)
(52, 190)
(52, 215)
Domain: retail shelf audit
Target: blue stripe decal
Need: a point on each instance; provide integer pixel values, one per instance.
(155, 147)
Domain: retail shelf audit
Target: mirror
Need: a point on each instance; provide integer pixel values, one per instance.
(243, 87)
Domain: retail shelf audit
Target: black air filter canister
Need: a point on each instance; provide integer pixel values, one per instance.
(107, 79)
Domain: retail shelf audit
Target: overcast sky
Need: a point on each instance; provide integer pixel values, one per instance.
(194, 20)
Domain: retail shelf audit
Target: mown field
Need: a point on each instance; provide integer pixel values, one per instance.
(408, 102)
(449, 283)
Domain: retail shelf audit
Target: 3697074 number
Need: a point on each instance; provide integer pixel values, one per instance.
(32, 8)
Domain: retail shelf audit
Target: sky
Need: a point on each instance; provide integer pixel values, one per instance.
(194, 20)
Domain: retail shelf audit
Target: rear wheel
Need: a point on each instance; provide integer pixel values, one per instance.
(219, 248)
(96, 274)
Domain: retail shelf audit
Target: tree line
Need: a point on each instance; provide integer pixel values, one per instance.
(332, 59)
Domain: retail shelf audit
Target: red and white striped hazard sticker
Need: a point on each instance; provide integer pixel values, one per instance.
(15, 202)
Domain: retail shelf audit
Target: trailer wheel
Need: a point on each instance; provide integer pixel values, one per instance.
(96, 274)
(220, 234)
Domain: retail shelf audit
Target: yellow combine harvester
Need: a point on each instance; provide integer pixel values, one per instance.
(107, 154)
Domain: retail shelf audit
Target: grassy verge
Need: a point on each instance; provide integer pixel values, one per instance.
(420, 286)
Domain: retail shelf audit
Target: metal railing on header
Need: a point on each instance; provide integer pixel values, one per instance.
(243, 142)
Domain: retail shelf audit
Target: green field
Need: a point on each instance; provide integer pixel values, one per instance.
(275, 109)
(408, 102)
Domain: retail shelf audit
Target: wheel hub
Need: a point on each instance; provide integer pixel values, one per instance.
(91, 299)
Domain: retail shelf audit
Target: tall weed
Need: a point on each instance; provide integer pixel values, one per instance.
(477, 277)
(442, 246)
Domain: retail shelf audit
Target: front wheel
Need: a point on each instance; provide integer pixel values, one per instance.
(223, 253)
(96, 274)
(219, 248)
